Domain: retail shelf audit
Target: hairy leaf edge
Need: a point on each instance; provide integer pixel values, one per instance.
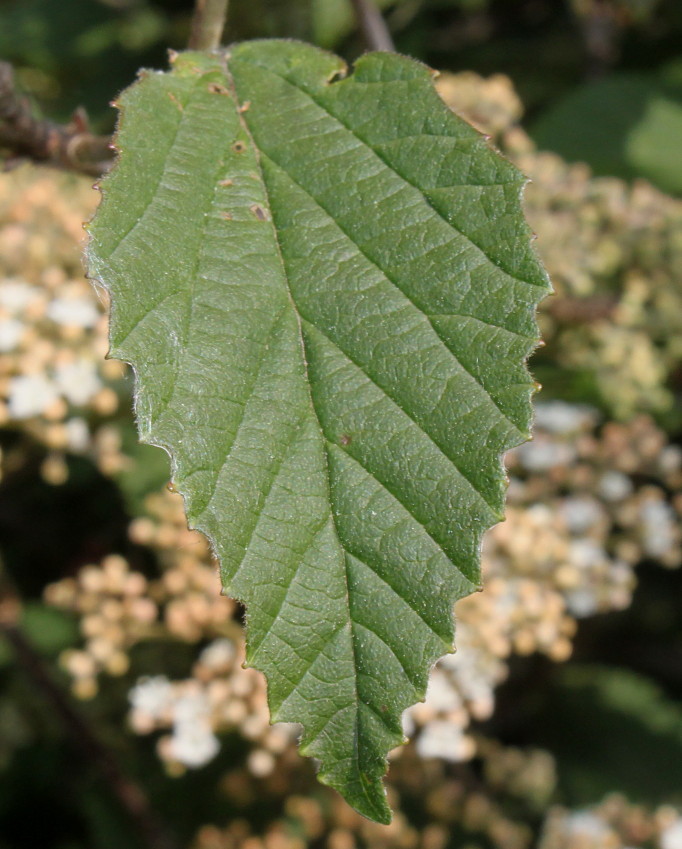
(381, 813)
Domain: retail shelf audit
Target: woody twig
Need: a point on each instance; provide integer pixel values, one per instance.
(23, 135)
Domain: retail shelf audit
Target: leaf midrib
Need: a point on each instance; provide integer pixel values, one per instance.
(356, 733)
(299, 317)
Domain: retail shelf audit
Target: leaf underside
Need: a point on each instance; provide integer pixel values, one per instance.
(326, 288)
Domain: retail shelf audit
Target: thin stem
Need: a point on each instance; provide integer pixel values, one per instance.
(373, 26)
(69, 146)
(208, 23)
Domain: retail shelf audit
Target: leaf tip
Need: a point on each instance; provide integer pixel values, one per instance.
(369, 799)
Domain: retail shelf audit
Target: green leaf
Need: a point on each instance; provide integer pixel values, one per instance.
(327, 291)
(625, 125)
(50, 631)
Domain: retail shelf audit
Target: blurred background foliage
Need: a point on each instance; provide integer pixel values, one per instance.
(601, 80)
(558, 723)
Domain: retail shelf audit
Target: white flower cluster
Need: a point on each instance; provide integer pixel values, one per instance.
(671, 834)
(155, 700)
(613, 824)
(220, 696)
(54, 381)
(46, 375)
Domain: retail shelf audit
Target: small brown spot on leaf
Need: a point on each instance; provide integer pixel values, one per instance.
(175, 101)
(260, 213)
(170, 486)
(227, 216)
(216, 88)
(345, 439)
(225, 183)
(246, 105)
(239, 147)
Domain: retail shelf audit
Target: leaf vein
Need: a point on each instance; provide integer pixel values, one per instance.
(472, 377)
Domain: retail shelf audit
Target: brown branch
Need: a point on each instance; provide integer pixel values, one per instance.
(568, 310)
(208, 23)
(69, 146)
(130, 795)
(373, 26)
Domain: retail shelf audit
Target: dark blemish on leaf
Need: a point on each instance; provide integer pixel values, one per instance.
(246, 105)
(239, 147)
(345, 439)
(216, 88)
(227, 216)
(259, 212)
(225, 183)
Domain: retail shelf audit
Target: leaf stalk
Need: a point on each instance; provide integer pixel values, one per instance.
(208, 23)
(373, 26)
